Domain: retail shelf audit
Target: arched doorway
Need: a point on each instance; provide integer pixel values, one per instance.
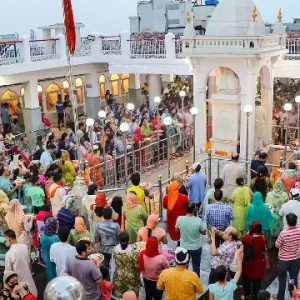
(125, 84)
(66, 88)
(80, 94)
(40, 94)
(52, 92)
(114, 79)
(12, 98)
(102, 86)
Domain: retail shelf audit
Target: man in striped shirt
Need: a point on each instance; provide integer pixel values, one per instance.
(288, 244)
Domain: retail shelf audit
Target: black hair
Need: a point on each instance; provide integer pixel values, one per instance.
(198, 168)
(181, 257)
(16, 173)
(57, 177)
(107, 213)
(136, 178)
(263, 295)
(10, 234)
(218, 184)
(63, 136)
(82, 245)
(2, 170)
(63, 233)
(235, 156)
(190, 207)
(117, 205)
(263, 155)
(291, 219)
(51, 146)
(257, 229)
(220, 273)
(27, 176)
(124, 239)
(240, 181)
(34, 179)
(260, 183)
(99, 211)
(80, 124)
(45, 207)
(92, 189)
(218, 194)
(292, 165)
(104, 271)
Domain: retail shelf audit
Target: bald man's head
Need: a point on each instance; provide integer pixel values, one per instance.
(235, 156)
(231, 234)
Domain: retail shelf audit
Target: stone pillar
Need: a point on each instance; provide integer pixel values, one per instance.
(170, 46)
(212, 88)
(135, 89)
(25, 49)
(154, 89)
(267, 104)
(32, 111)
(125, 45)
(93, 99)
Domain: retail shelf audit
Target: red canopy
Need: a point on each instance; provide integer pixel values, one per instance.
(69, 25)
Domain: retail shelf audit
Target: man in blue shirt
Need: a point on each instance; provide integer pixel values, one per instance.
(60, 111)
(5, 118)
(46, 157)
(197, 183)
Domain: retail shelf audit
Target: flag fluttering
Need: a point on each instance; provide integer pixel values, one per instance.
(69, 25)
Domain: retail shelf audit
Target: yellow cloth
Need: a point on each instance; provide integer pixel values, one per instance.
(68, 171)
(173, 194)
(189, 286)
(140, 194)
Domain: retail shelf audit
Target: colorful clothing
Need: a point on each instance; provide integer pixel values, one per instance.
(226, 255)
(68, 171)
(289, 178)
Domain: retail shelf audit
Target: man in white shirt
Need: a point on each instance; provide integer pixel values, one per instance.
(292, 206)
(46, 157)
(62, 251)
(230, 173)
(56, 193)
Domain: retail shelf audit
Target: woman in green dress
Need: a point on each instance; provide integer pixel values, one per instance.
(241, 198)
(48, 238)
(276, 198)
(79, 232)
(134, 216)
(124, 273)
(259, 211)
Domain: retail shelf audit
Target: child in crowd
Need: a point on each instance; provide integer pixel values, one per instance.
(105, 286)
(36, 195)
(26, 186)
(263, 295)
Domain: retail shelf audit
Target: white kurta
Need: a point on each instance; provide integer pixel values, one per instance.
(56, 200)
(17, 260)
(260, 118)
(229, 174)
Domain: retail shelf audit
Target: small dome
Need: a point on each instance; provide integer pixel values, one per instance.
(279, 28)
(233, 18)
(257, 29)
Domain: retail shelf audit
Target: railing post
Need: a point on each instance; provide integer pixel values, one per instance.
(141, 157)
(187, 166)
(125, 45)
(160, 197)
(170, 46)
(134, 160)
(281, 162)
(115, 169)
(218, 168)
(25, 49)
(209, 167)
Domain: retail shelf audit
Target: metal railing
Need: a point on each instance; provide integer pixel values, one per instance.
(293, 46)
(85, 47)
(147, 49)
(43, 49)
(111, 45)
(10, 52)
(178, 48)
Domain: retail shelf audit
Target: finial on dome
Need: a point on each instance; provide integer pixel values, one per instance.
(188, 17)
(279, 17)
(254, 13)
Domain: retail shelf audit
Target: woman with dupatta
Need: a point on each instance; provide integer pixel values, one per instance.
(175, 204)
(48, 238)
(289, 177)
(276, 199)
(147, 132)
(79, 232)
(19, 223)
(95, 168)
(138, 143)
(241, 198)
(133, 216)
(259, 211)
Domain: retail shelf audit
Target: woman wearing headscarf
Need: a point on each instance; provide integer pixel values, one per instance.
(175, 204)
(13, 289)
(46, 240)
(152, 230)
(253, 265)
(67, 168)
(259, 211)
(95, 168)
(276, 199)
(125, 274)
(151, 264)
(19, 223)
(133, 216)
(241, 198)
(289, 177)
(116, 205)
(261, 183)
(65, 215)
(80, 231)
(138, 143)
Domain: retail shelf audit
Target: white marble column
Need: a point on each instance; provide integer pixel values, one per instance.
(135, 89)
(267, 104)
(93, 100)
(154, 82)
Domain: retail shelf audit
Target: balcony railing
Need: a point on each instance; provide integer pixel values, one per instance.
(147, 49)
(111, 45)
(85, 47)
(178, 48)
(43, 49)
(10, 52)
(293, 46)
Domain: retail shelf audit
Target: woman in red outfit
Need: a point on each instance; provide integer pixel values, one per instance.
(253, 271)
(175, 204)
(136, 139)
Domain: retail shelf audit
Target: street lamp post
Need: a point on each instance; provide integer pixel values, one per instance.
(102, 116)
(130, 108)
(168, 121)
(124, 128)
(248, 110)
(182, 95)
(90, 123)
(194, 112)
(157, 101)
(297, 99)
(287, 108)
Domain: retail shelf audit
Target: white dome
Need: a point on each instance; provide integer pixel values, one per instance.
(233, 18)
(279, 28)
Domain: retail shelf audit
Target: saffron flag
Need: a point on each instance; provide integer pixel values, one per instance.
(69, 25)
